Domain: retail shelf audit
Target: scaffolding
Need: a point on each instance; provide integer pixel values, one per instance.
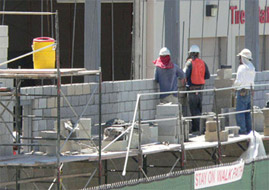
(56, 74)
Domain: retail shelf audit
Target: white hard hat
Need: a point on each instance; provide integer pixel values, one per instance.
(164, 51)
(194, 49)
(245, 53)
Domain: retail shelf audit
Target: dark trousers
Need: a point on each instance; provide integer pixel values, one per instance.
(195, 104)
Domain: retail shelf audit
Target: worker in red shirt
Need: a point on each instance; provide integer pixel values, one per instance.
(196, 73)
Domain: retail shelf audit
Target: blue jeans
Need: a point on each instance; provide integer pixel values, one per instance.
(243, 119)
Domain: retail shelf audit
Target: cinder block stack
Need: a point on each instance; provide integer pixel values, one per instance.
(168, 130)
(211, 132)
(224, 79)
(5, 136)
(266, 122)
(149, 134)
(3, 45)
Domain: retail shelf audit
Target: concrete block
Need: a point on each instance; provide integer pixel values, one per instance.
(84, 129)
(63, 124)
(149, 134)
(212, 136)
(128, 106)
(144, 115)
(167, 130)
(258, 121)
(42, 103)
(51, 102)
(211, 126)
(169, 123)
(266, 117)
(128, 86)
(78, 89)
(70, 90)
(124, 96)
(38, 90)
(105, 98)
(4, 42)
(3, 30)
(78, 109)
(86, 88)
(93, 109)
(113, 97)
(83, 100)
(122, 145)
(3, 53)
(107, 87)
(75, 100)
(54, 112)
(116, 146)
(221, 83)
(169, 139)
(224, 73)
(266, 131)
(65, 101)
(233, 130)
(63, 90)
(132, 96)
(167, 109)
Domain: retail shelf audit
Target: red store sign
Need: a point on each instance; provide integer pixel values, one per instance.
(239, 15)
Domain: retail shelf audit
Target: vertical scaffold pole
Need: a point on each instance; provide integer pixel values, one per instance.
(18, 128)
(58, 98)
(218, 126)
(181, 135)
(252, 109)
(100, 129)
(140, 156)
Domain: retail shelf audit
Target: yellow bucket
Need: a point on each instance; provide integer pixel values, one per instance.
(44, 59)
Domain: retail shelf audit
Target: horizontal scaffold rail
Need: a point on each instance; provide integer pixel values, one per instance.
(25, 13)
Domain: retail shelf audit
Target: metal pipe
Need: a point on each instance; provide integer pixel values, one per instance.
(189, 24)
(238, 40)
(25, 13)
(216, 35)
(52, 24)
(264, 38)
(218, 127)
(140, 156)
(203, 23)
(182, 46)
(4, 7)
(228, 30)
(112, 41)
(18, 130)
(58, 100)
(130, 136)
(181, 133)
(25, 55)
(73, 37)
(41, 19)
(100, 129)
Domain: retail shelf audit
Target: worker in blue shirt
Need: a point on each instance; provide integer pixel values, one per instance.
(167, 75)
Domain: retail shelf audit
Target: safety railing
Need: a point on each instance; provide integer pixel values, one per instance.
(137, 120)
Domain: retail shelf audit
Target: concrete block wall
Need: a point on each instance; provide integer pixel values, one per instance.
(118, 100)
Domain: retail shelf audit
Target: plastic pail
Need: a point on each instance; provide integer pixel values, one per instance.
(44, 59)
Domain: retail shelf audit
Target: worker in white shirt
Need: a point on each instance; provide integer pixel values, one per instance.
(244, 79)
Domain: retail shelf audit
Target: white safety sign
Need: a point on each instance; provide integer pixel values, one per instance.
(218, 176)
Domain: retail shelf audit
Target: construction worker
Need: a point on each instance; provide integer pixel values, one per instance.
(196, 72)
(167, 74)
(244, 79)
